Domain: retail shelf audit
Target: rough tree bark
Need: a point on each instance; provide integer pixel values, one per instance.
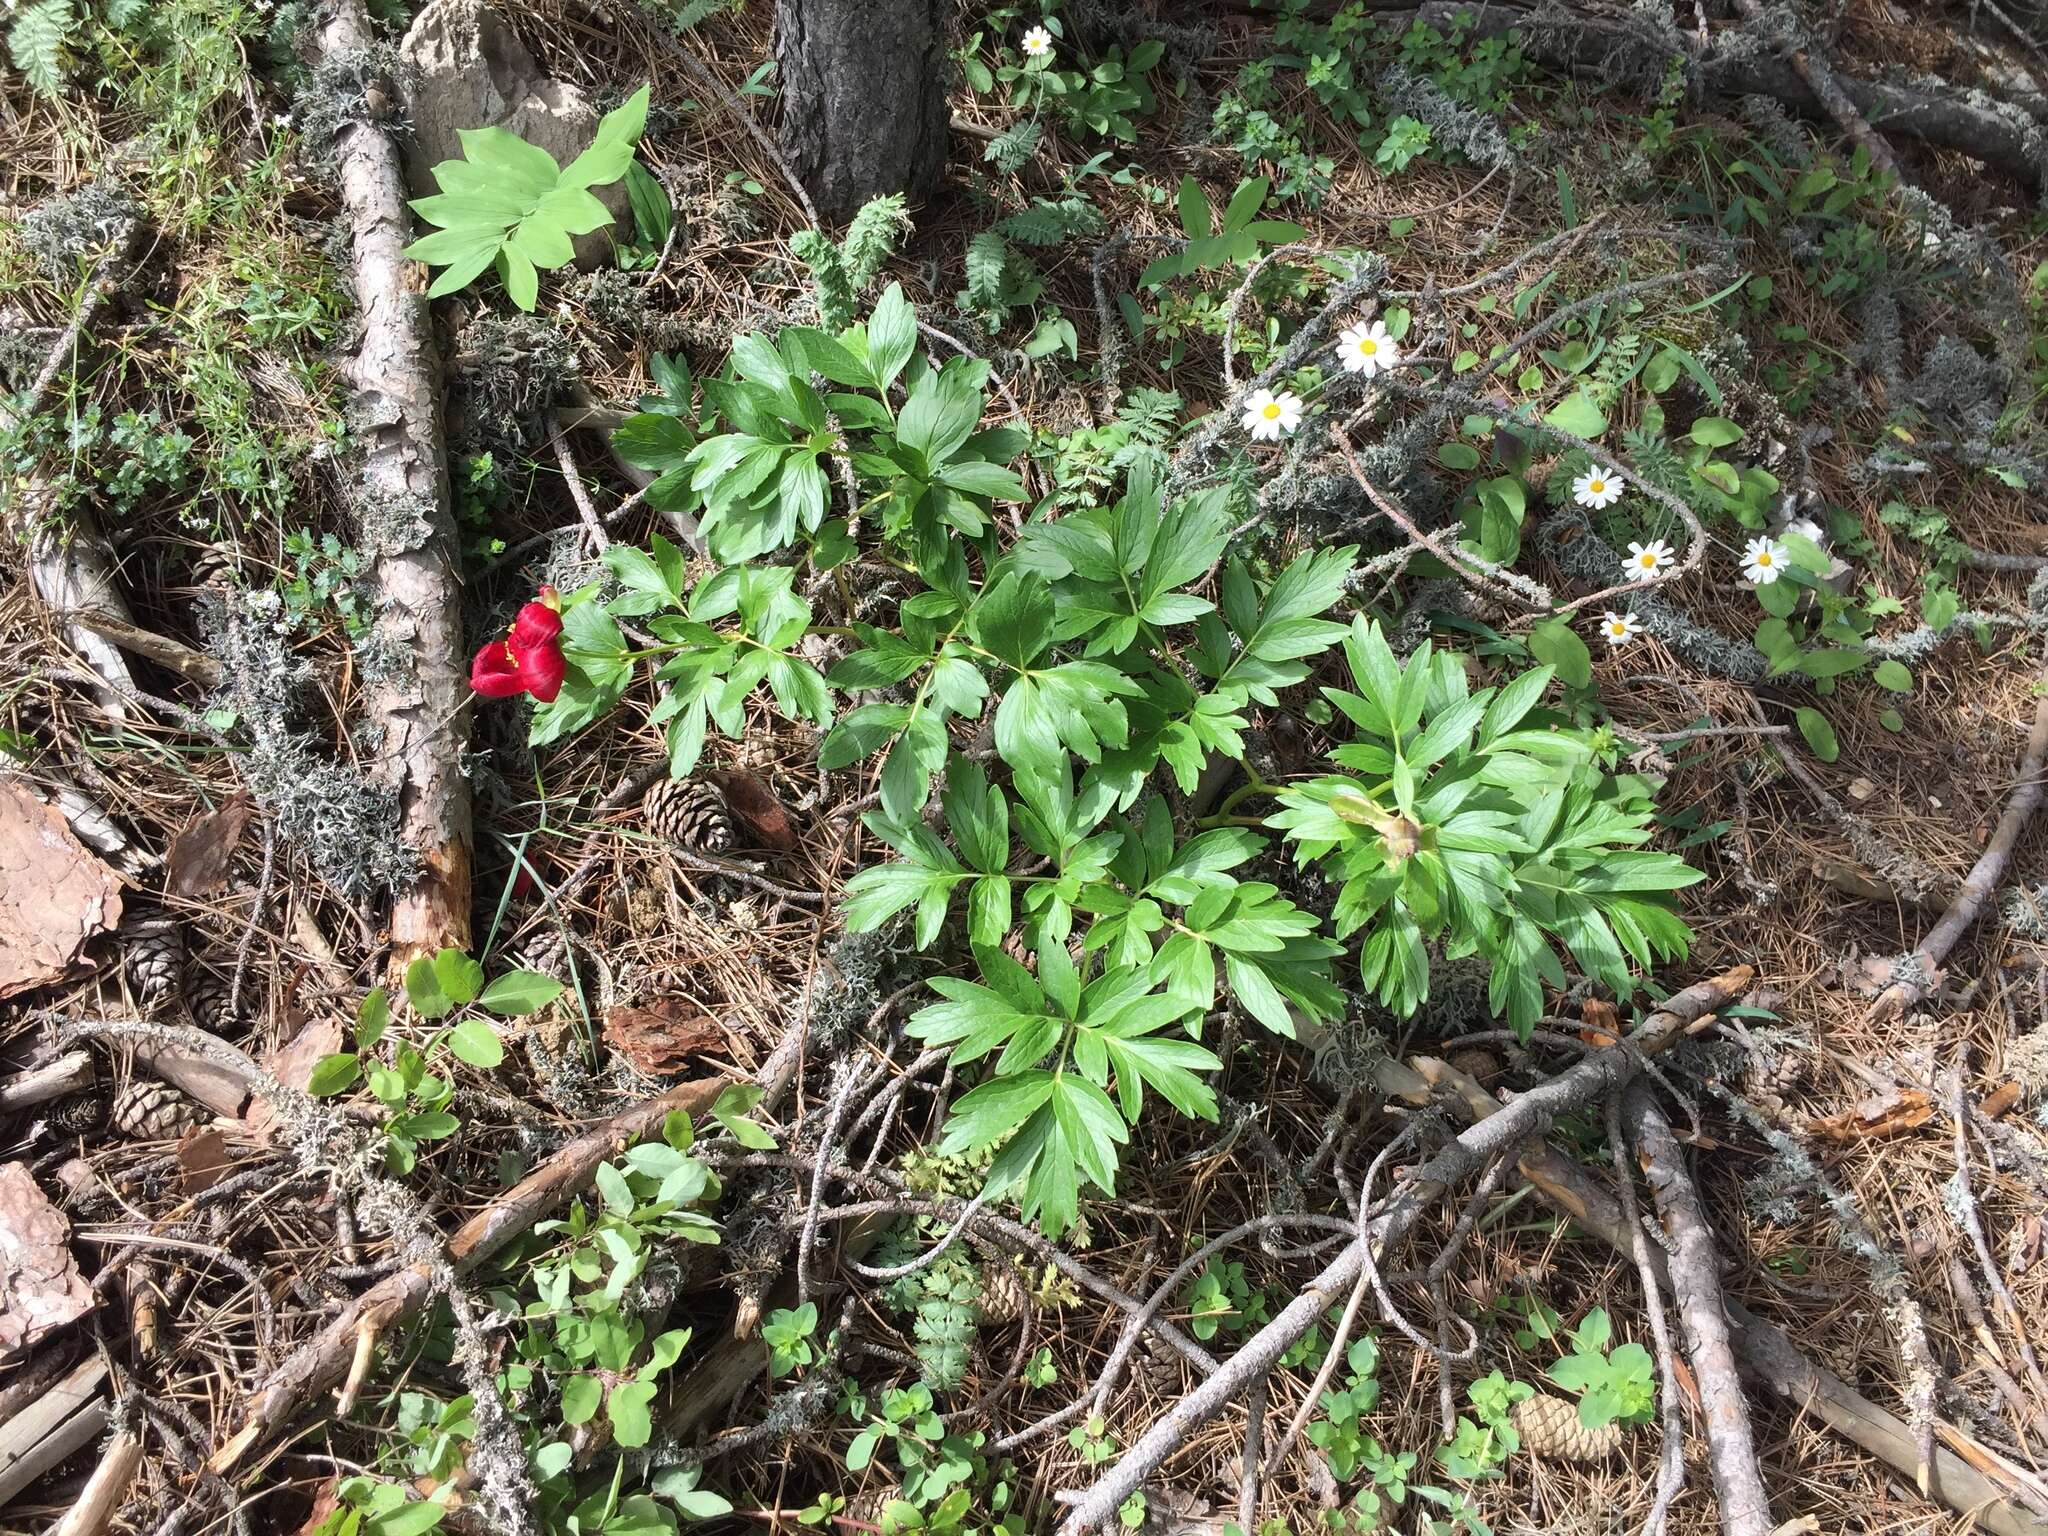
(417, 689)
(863, 98)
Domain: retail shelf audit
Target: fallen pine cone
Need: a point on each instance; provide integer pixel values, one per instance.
(1003, 1297)
(151, 954)
(868, 1507)
(689, 814)
(546, 952)
(1551, 1431)
(153, 1111)
(206, 999)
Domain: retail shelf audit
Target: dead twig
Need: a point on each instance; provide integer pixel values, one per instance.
(1466, 1155)
(1916, 974)
(1695, 1281)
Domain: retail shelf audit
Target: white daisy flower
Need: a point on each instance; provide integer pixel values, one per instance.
(1650, 560)
(1597, 487)
(1367, 349)
(1620, 628)
(1270, 417)
(1037, 44)
(1762, 560)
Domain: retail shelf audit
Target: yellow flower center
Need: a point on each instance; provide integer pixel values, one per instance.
(1763, 557)
(1647, 561)
(1367, 347)
(1596, 486)
(1272, 412)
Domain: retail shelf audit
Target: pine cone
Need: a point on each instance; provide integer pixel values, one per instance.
(867, 1505)
(1551, 1431)
(1003, 1296)
(76, 1115)
(153, 1111)
(206, 999)
(214, 570)
(689, 814)
(1159, 1367)
(1766, 1079)
(547, 952)
(151, 953)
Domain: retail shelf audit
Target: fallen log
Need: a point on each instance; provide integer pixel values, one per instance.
(418, 702)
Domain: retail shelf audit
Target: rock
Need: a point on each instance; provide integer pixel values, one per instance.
(475, 73)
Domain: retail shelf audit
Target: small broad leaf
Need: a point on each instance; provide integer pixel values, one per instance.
(460, 977)
(475, 1042)
(1579, 414)
(1555, 642)
(517, 993)
(424, 991)
(333, 1074)
(632, 1424)
(372, 1016)
(1820, 736)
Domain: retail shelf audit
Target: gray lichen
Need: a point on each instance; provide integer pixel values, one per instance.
(1567, 539)
(67, 234)
(346, 826)
(509, 372)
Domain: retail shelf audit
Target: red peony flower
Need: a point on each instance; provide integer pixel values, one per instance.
(529, 659)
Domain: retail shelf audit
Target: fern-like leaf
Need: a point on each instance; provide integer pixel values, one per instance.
(1152, 415)
(828, 277)
(36, 44)
(1047, 222)
(988, 255)
(872, 237)
(1614, 367)
(690, 13)
(1009, 150)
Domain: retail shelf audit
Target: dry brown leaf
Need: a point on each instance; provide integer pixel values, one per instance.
(40, 1286)
(325, 1501)
(664, 1038)
(1886, 1115)
(755, 806)
(293, 1066)
(202, 1160)
(1999, 1100)
(2026, 1247)
(55, 893)
(199, 856)
(1602, 1021)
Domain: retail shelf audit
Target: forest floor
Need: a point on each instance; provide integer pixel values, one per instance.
(1741, 309)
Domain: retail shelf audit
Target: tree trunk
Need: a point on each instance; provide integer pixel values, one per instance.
(863, 98)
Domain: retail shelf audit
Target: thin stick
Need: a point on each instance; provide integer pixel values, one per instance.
(1695, 1281)
(1671, 1458)
(1909, 990)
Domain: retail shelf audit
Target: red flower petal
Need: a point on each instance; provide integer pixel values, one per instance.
(536, 624)
(495, 672)
(542, 668)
